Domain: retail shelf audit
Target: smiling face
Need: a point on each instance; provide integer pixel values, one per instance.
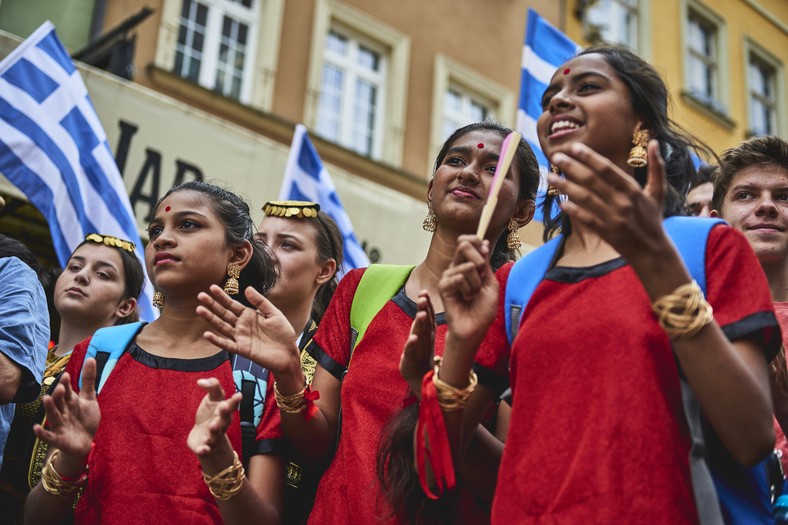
(459, 187)
(757, 204)
(188, 250)
(587, 102)
(294, 242)
(92, 286)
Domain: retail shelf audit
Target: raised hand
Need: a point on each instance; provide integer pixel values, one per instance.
(469, 290)
(213, 417)
(417, 354)
(72, 419)
(264, 335)
(605, 199)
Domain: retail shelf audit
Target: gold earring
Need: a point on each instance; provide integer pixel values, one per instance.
(233, 273)
(552, 190)
(158, 299)
(430, 223)
(513, 241)
(638, 156)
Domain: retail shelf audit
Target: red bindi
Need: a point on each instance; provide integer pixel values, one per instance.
(167, 208)
(480, 145)
(566, 71)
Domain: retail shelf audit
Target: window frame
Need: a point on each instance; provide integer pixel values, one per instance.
(395, 45)
(642, 40)
(262, 52)
(719, 106)
(450, 73)
(352, 72)
(752, 49)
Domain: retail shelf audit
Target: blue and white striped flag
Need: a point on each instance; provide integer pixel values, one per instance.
(307, 180)
(544, 50)
(53, 148)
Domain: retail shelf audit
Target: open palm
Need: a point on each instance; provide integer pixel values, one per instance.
(263, 335)
(72, 419)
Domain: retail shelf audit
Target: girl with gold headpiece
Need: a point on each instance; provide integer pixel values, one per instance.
(369, 387)
(161, 442)
(308, 245)
(98, 287)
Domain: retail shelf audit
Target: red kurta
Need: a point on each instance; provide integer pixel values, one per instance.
(597, 432)
(372, 392)
(141, 470)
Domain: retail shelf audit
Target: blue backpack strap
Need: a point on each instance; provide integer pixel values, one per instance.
(690, 235)
(106, 347)
(524, 277)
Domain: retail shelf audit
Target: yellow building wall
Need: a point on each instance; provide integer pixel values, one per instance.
(764, 22)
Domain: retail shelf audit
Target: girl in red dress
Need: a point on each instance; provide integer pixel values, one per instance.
(370, 388)
(597, 431)
(153, 446)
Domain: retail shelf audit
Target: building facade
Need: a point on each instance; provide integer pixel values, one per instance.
(218, 85)
(378, 84)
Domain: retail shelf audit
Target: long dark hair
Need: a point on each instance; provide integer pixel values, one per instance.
(395, 471)
(233, 212)
(329, 246)
(524, 162)
(650, 99)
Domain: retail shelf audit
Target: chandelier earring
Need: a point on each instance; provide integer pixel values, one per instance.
(430, 223)
(552, 190)
(513, 241)
(233, 273)
(158, 299)
(638, 156)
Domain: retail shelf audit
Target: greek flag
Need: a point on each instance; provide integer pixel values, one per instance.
(307, 180)
(544, 50)
(53, 148)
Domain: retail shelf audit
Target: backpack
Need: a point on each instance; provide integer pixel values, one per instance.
(725, 492)
(108, 345)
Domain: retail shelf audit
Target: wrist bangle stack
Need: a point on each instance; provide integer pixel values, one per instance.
(226, 483)
(451, 398)
(58, 485)
(302, 402)
(293, 404)
(683, 313)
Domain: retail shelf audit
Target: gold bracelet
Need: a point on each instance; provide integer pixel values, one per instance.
(451, 398)
(226, 483)
(55, 484)
(684, 312)
(293, 404)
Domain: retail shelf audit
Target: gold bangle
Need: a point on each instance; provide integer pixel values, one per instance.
(293, 404)
(451, 398)
(226, 483)
(55, 484)
(683, 313)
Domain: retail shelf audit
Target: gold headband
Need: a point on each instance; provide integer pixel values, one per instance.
(111, 241)
(292, 209)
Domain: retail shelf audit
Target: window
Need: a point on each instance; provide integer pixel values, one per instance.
(762, 79)
(612, 21)
(358, 82)
(352, 91)
(705, 68)
(460, 96)
(216, 43)
(230, 46)
(461, 108)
